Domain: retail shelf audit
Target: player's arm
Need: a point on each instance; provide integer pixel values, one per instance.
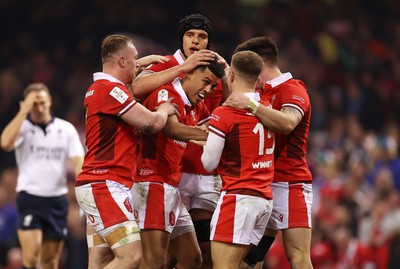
(212, 151)
(147, 81)
(77, 162)
(176, 130)
(224, 83)
(149, 122)
(145, 61)
(281, 121)
(11, 131)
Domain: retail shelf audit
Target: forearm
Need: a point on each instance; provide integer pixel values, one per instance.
(276, 120)
(185, 133)
(145, 84)
(11, 131)
(212, 152)
(224, 83)
(77, 164)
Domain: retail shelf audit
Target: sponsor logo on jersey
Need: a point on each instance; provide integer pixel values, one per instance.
(296, 97)
(89, 93)
(145, 172)
(261, 165)
(98, 171)
(180, 143)
(162, 96)
(119, 95)
(215, 117)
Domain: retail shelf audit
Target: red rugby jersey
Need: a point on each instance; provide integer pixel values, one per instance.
(290, 150)
(247, 160)
(110, 142)
(159, 158)
(191, 158)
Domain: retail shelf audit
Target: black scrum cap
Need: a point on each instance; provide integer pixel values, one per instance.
(195, 21)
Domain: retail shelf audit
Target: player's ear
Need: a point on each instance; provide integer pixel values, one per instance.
(121, 61)
(231, 75)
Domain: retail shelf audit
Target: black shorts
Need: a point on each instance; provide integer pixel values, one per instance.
(48, 214)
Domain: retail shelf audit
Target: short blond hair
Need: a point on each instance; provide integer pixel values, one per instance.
(36, 87)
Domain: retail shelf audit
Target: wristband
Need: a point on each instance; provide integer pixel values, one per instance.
(253, 106)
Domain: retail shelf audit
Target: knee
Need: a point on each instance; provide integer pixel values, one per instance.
(49, 263)
(156, 260)
(129, 261)
(190, 261)
(31, 258)
(194, 261)
(300, 261)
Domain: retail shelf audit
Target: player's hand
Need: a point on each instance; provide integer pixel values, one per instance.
(198, 142)
(26, 105)
(171, 108)
(201, 57)
(202, 128)
(223, 62)
(151, 59)
(237, 100)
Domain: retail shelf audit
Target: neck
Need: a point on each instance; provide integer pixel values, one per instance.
(273, 73)
(114, 72)
(183, 54)
(241, 87)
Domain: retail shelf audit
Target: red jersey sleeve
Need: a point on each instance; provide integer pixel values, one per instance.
(295, 96)
(163, 66)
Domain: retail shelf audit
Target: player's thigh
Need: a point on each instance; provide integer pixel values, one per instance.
(31, 240)
(185, 249)
(154, 243)
(227, 255)
(297, 241)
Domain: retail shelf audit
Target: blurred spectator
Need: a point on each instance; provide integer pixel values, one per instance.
(8, 225)
(14, 259)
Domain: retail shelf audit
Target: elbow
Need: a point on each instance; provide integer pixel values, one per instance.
(286, 129)
(6, 146)
(209, 166)
(155, 125)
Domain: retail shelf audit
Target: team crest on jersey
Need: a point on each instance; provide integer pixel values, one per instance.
(272, 100)
(119, 95)
(162, 96)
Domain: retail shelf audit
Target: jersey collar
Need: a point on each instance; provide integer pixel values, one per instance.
(178, 87)
(42, 126)
(102, 75)
(254, 95)
(279, 80)
(178, 57)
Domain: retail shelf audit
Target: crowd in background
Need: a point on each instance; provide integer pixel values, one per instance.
(347, 52)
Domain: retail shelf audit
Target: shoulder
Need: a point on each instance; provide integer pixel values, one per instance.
(61, 123)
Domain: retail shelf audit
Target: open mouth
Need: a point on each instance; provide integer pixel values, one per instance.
(193, 50)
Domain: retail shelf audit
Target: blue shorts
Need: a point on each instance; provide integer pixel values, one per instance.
(48, 214)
